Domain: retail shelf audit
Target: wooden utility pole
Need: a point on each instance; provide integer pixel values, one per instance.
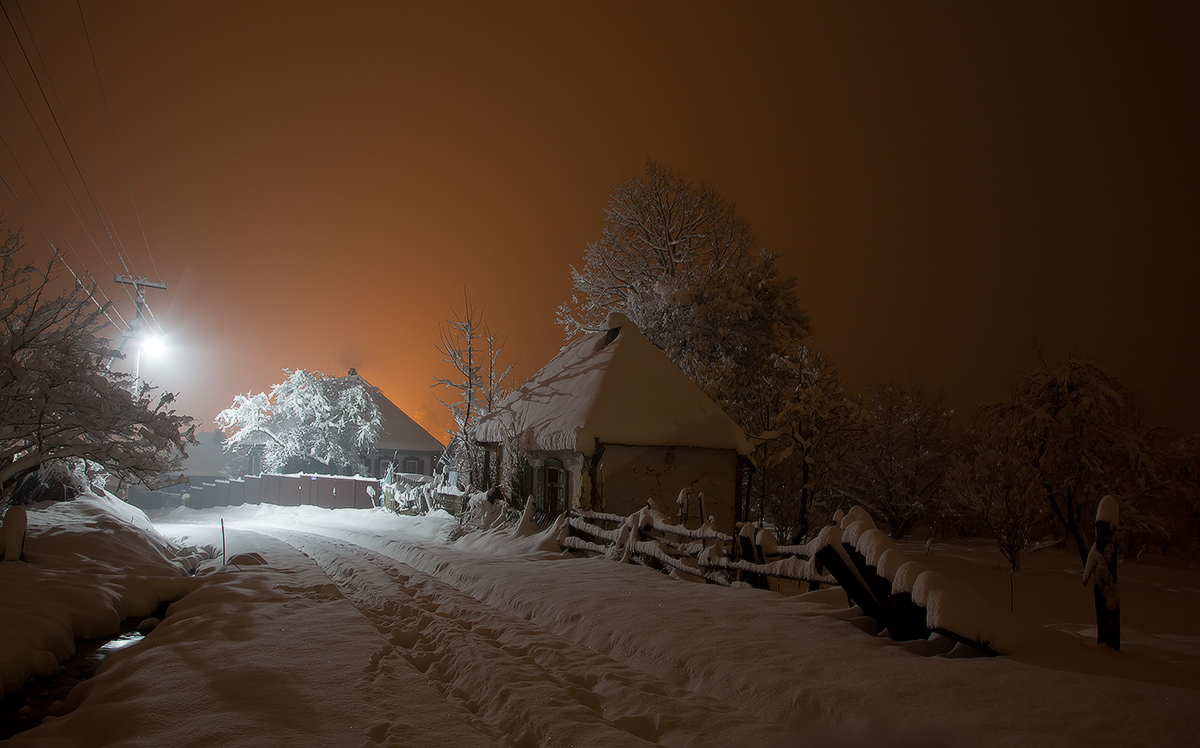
(139, 321)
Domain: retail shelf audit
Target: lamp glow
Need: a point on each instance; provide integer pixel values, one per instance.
(153, 346)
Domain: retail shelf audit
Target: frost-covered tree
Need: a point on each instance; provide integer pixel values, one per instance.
(1177, 497)
(898, 469)
(1087, 439)
(811, 430)
(680, 262)
(478, 383)
(309, 421)
(57, 398)
(994, 481)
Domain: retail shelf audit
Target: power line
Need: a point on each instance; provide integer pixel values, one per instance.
(54, 91)
(64, 186)
(66, 264)
(113, 132)
(65, 181)
(101, 210)
(63, 136)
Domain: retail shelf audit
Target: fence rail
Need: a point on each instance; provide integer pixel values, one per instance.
(648, 537)
(851, 553)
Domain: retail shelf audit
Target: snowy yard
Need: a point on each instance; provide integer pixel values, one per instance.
(367, 628)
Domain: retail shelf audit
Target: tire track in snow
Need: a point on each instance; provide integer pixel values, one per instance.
(530, 685)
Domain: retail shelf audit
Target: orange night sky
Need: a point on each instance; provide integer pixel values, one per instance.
(954, 184)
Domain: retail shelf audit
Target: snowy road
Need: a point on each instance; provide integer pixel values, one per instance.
(523, 684)
(367, 629)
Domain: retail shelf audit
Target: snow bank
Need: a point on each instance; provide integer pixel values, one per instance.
(88, 564)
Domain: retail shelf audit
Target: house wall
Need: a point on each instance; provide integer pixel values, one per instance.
(376, 463)
(627, 476)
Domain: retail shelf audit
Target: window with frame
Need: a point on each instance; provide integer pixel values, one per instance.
(553, 496)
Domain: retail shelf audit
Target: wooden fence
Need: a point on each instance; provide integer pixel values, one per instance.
(882, 580)
(328, 491)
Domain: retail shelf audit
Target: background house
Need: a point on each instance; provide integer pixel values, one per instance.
(403, 445)
(608, 423)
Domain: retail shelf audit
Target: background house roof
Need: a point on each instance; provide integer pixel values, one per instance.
(396, 430)
(614, 386)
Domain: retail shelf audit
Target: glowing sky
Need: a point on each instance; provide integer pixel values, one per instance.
(954, 184)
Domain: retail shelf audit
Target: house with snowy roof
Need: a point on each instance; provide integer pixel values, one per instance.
(609, 423)
(403, 445)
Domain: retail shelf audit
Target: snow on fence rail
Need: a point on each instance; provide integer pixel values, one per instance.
(650, 538)
(908, 599)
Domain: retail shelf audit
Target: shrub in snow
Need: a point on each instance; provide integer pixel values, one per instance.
(487, 511)
(1088, 438)
(995, 482)
(897, 467)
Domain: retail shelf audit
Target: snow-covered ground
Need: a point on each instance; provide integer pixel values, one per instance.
(367, 628)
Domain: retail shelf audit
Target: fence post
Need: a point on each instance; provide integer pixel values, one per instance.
(1101, 570)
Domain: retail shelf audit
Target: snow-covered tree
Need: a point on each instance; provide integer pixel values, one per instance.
(994, 481)
(57, 398)
(1088, 440)
(1177, 498)
(897, 471)
(478, 384)
(812, 428)
(680, 262)
(309, 421)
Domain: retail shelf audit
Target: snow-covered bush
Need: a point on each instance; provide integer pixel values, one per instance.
(59, 480)
(486, 511)
(58, 398)
(898, 467)
(995, 482)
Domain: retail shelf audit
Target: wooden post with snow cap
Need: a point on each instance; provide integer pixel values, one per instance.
(12, 533)
(1101, 571)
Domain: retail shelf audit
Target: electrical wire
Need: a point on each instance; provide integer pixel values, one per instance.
(112, 131)
(63, 136)
(67, 265)
(100, 209)
(64, 181)
(87, 273)
(106, 216)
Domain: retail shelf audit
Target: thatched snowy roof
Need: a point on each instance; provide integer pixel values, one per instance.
(614, 386)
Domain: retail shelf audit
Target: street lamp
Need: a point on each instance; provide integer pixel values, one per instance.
(153, 346)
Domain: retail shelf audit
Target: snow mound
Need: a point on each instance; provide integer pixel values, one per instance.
(88, 564)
